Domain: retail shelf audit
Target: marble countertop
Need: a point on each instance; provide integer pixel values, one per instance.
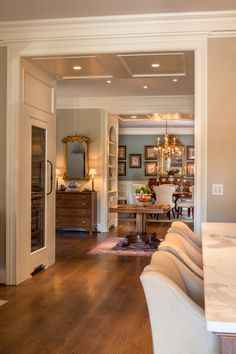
(219, 267)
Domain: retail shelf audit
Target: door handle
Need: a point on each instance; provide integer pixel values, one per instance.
(51, 177)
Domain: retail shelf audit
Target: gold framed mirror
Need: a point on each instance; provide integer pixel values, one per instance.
(76, 157)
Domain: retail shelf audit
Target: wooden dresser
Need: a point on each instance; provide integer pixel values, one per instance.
(76, 210)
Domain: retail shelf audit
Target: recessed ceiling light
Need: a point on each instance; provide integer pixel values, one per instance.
(108, 81)
(175, 80)
(76, 67)
(155, 65)
(145, 87)
(133, 117)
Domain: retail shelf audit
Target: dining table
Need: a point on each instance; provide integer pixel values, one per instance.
(219, 269)
(141, 212)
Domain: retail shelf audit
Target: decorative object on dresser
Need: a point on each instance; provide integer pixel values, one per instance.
(76, 210)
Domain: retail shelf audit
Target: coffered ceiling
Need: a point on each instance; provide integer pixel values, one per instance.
(123, 74)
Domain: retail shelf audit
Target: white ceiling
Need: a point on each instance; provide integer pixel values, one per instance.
(12, 10)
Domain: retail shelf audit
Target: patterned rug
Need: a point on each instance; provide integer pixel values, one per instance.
(114, 246)
(2, 302)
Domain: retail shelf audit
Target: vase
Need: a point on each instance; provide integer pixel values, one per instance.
(143, 199)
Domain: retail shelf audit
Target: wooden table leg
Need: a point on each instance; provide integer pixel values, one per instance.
(140, 222)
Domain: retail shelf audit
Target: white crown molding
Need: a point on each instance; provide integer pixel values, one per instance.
(110, 26)
(130, 104)
(156, 131)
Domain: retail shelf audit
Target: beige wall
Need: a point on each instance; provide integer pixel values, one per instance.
(3, 76)
(222, 128)
(91, 123)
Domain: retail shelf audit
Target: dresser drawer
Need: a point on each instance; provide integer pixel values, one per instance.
(73, 212)
(69, 201)
(64, 221)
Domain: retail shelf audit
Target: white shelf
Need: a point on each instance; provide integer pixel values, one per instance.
(112, 191)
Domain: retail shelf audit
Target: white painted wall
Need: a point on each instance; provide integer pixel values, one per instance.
(91, 123)
(3, 81)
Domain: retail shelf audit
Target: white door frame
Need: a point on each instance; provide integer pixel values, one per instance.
(91, 42)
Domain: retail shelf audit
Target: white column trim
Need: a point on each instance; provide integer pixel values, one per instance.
(12, 164)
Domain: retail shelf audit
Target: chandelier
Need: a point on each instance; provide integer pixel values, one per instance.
(172, 146)
(169, 152)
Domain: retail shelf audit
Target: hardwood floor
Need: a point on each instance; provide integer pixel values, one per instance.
(82, 304)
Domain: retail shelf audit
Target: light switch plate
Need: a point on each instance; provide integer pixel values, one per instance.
(217, 189)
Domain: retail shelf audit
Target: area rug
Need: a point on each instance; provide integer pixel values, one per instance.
(2, 302)
(113, 246)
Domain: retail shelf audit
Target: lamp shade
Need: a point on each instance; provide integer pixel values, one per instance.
(58, 171)
(92, 172)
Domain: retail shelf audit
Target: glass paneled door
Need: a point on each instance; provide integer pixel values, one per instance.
(38, 170)
(37, 155)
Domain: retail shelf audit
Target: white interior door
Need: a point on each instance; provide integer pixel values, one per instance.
(37, 155)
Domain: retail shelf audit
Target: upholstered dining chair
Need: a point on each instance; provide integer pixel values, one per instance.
(184, 251)
(186, 203)
(183, 229)
(175, 300)
(164, 195)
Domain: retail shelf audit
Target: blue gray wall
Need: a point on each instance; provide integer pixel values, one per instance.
(135, 145)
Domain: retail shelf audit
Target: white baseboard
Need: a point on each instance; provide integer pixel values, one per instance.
(2, 276)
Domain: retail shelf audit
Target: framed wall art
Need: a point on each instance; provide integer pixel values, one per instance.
(122, 152)
(190, 152)
(135, 160)
(150, 168)
(150, 152)
(121, 168)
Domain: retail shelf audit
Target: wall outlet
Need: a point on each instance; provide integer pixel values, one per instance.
(217, 189)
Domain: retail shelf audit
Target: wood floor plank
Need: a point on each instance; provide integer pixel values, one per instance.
(86, 304)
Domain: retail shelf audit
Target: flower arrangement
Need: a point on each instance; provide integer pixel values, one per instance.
(143, 189)
(143, 195)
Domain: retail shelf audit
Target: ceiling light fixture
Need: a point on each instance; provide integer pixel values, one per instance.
(133, 117)
(108, 81)
(155, 65)
(171, 148)
(76, 67)
(145, 87)
(175, 80)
